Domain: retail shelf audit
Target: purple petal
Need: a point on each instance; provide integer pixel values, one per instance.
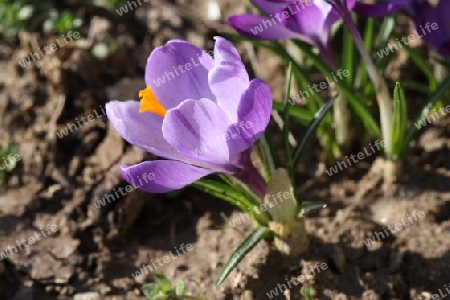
(309, 21)
(253, 114)
(428, 14)
(162, 176)
(269, 7)
(173, 84)
(351, 4)
(251, 176)
(376, 10)
(228, 79)
(261, 28)
(443, 9)
(143, 130)
(197, 129)
(444, 49)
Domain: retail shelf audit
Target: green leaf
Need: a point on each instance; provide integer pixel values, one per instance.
(420, 62)
(302, 75)
(400, 120)
(152, 291)
(387, 26)
(227, 193)
(280, 184)
(243, 188)
(179, 289)
(286, 127)
(349, 57)
(363, 80)
(163, 282)
(310, 206)
(308, 291)
(8, 159)
(241, 251)
(310, 130)
(413, 130)
(268, 154)
(416, 86)
(302, 116)
(347, 93)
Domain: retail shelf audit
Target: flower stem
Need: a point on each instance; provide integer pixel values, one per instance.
(341, 112)
(382, 93)
(250, 176)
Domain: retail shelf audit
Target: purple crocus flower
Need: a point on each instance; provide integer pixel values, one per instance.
(306, 20)
(202, 114)
(433, 24)
(383, 8)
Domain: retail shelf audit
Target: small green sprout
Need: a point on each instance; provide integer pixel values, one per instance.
(9, 156)
(162, 289)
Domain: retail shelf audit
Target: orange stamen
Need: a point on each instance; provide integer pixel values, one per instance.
(150, 103)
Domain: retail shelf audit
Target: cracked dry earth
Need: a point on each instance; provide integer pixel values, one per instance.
(95, 250)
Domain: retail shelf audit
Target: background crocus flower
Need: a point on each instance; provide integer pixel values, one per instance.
(309, 21)
(433, 24)
(203, 119)
(386, 7)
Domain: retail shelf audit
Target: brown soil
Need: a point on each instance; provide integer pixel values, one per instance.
(59, 179)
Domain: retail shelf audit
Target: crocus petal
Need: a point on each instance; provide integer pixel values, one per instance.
(429, 14)
(253, 116)
(261, 28)
(197, 129)
(162, 176)
(332, 18)
(173, 84)
(350, 4)
(228, 79)
(376, 10)
(269, 7)
(444, 49)
(140, 129)
(443, 9)
(309, 22)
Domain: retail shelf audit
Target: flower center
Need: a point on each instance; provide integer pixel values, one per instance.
(150, 103)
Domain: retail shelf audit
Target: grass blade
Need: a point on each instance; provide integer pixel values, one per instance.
(413, 130)
(423, 66)
(310, 130)
(286, 127)
(357, 106)
(224, 192)
(349, 57)
(241, 251)
(400, 120)
(302, 116)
